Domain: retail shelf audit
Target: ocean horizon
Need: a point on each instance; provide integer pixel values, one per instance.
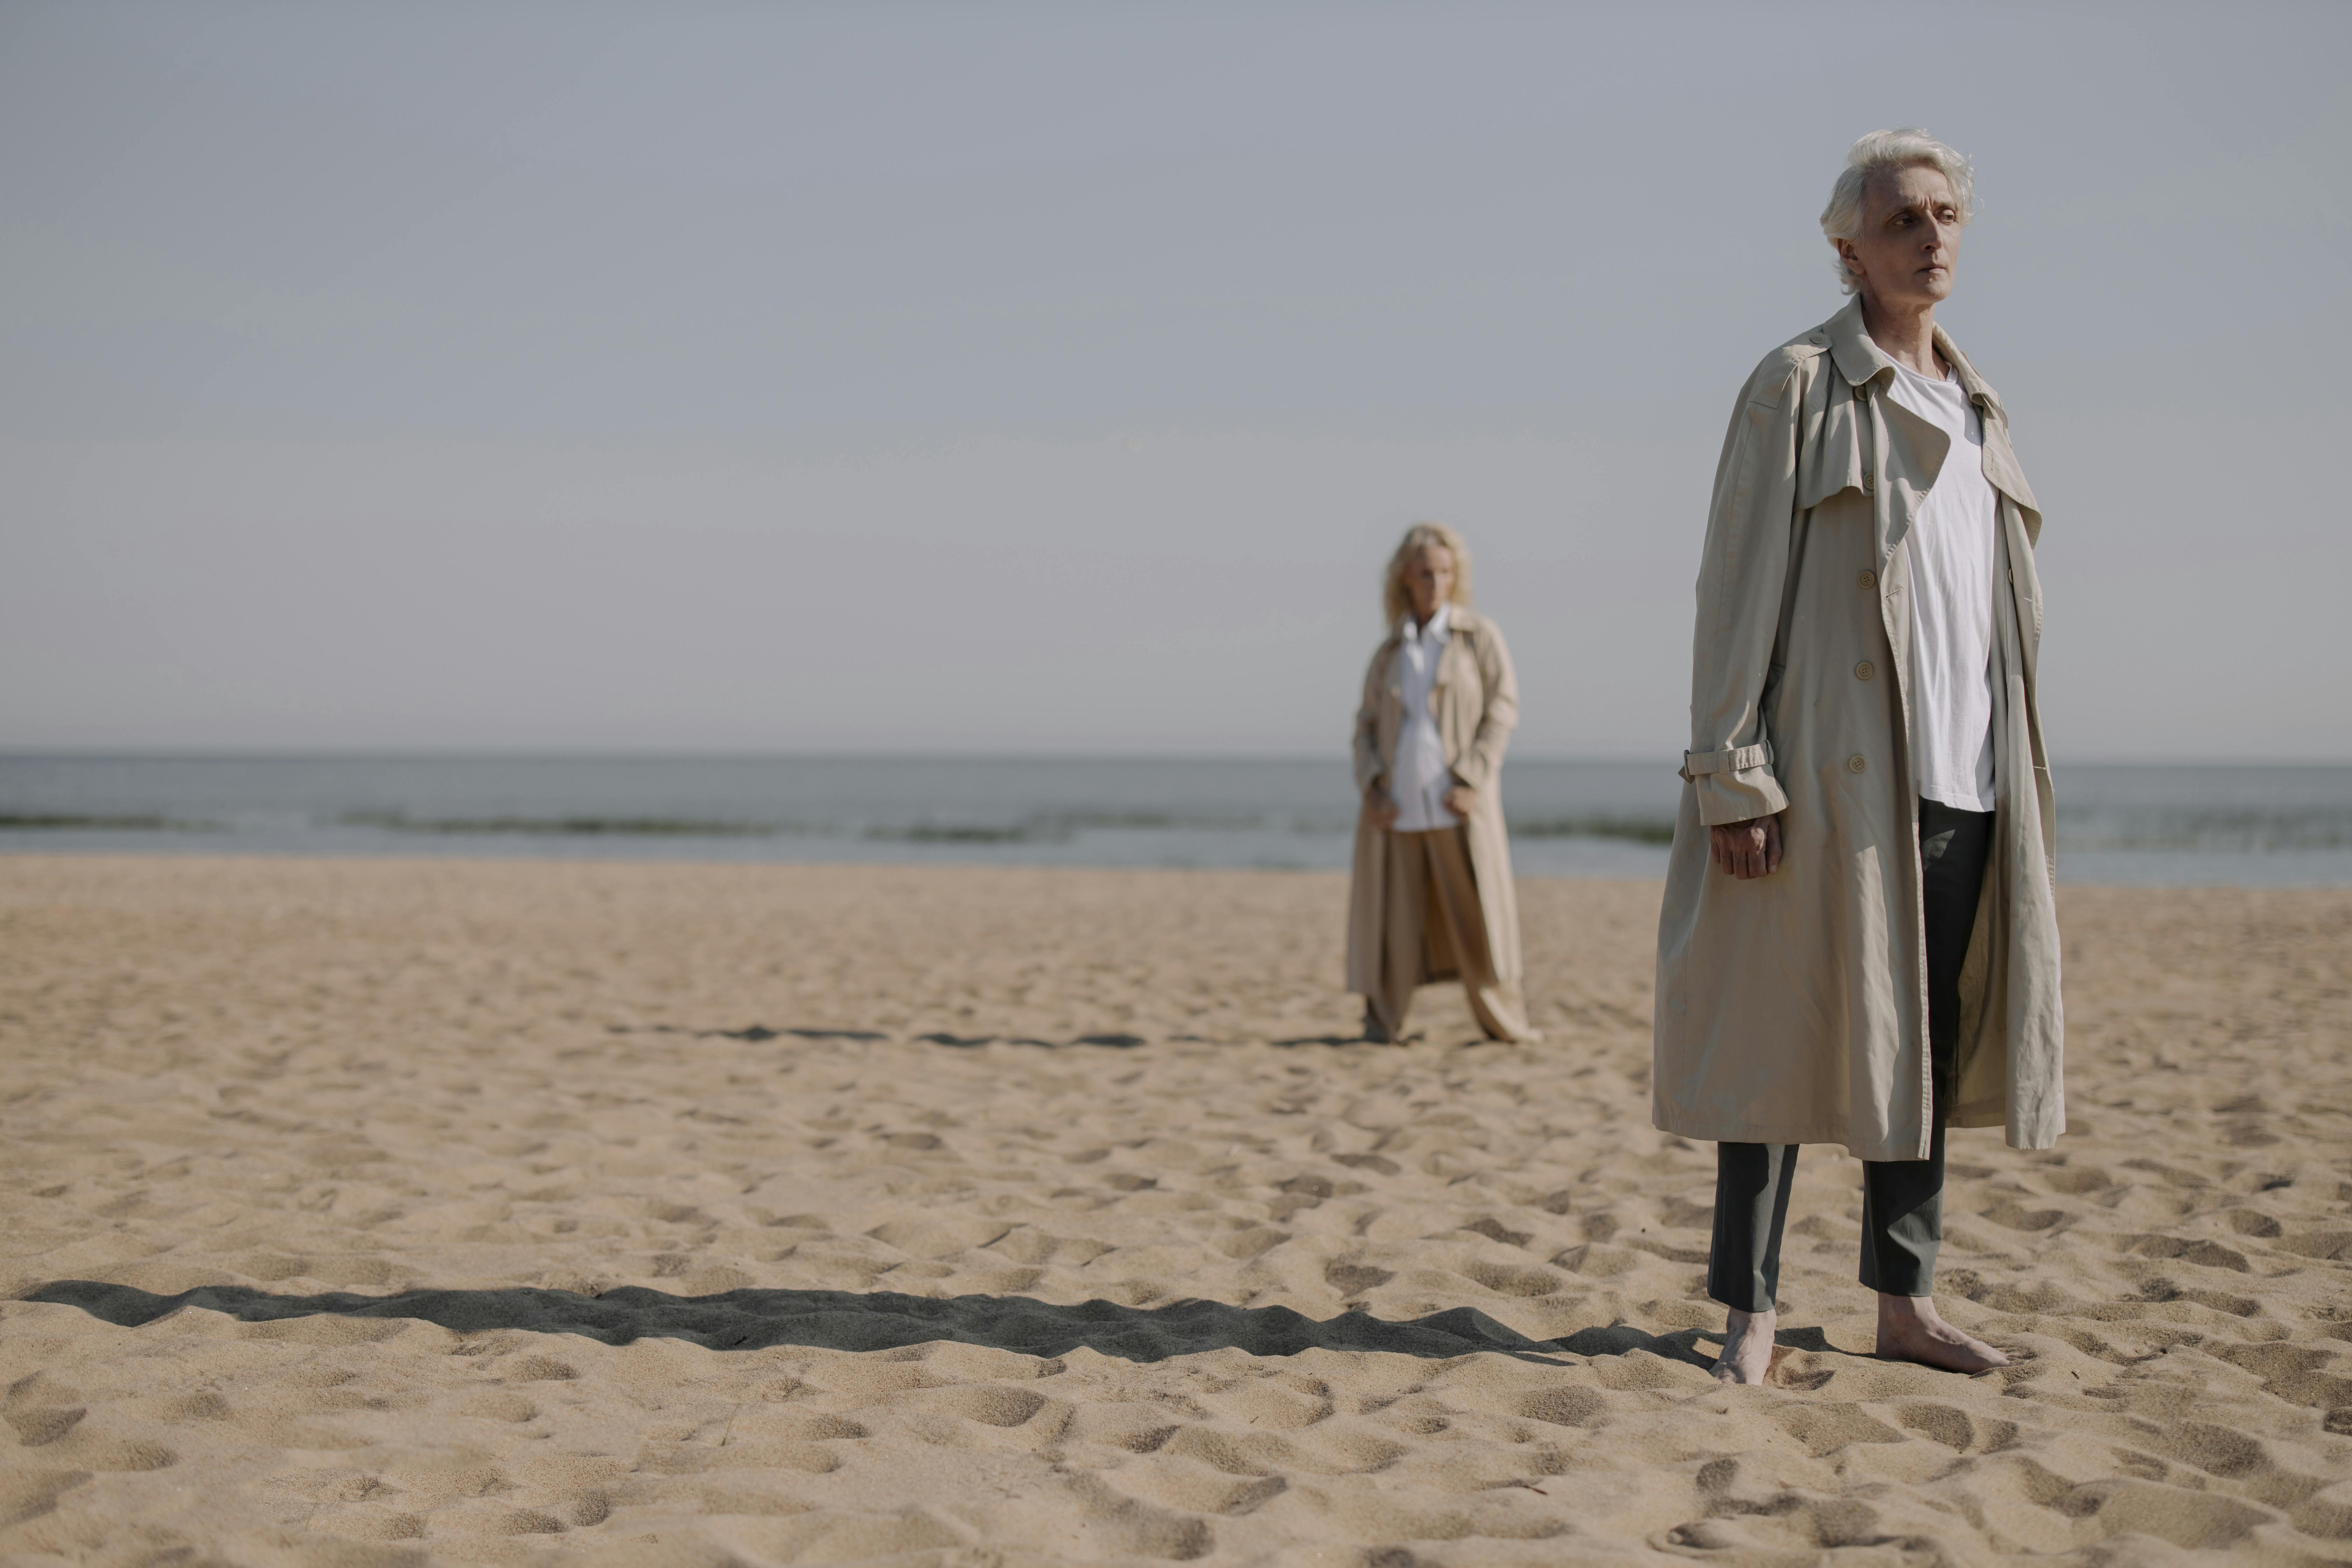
(2155, 825)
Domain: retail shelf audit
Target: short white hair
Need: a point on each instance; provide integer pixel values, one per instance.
(1903, 149)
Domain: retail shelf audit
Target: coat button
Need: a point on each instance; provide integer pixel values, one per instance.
(1855, 764)
(1866, 479)
(1863, 671)
(1867, 580)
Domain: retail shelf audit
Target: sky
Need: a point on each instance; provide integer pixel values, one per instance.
(1015, 378)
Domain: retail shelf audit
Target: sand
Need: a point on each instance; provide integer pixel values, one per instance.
(406, 1211)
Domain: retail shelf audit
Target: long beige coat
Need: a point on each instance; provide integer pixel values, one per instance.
(1474, 699)
(1790, 1007)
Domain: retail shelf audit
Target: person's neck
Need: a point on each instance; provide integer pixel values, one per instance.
(1421, 618)
(1904, 334)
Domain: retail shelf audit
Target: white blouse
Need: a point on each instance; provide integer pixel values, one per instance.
(1419, 778)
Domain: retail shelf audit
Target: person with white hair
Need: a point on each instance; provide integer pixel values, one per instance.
(1859, 943)
(1433, 897)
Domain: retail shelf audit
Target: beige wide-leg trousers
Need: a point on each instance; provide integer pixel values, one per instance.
(1436, 931)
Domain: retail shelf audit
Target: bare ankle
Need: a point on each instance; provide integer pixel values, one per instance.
(1748, 1339)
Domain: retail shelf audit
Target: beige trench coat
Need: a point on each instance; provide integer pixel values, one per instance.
(1474, 699)
(1790, 1007)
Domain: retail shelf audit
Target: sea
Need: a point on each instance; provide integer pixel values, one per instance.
(2173, 826)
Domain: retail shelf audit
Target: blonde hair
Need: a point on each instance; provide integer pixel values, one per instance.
(1395, 602)
(1904, 148)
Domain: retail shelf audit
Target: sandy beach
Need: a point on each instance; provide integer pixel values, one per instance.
(391, 1211)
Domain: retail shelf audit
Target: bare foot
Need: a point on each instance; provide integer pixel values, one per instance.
(1910, 1328)
(1746, 1347)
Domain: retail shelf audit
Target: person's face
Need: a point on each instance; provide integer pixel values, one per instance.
(1429, 580)
(1910, 238)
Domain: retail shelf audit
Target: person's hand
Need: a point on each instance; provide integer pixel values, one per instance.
(1461, 800)
(1746, 849)
(1379, 806)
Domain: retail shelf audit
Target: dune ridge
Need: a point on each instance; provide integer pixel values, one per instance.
(398, 1212)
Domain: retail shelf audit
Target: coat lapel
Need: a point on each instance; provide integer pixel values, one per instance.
(1460, 627)
(1916, 450)
(2001, 470)
(2000, 467)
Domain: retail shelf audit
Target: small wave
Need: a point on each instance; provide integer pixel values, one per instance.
(2257, 831)
(569, 827)
(1060, 827)
(1638, 829)
(952, 833)
(54, 821)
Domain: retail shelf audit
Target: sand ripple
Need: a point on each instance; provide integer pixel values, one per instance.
(397, 1212)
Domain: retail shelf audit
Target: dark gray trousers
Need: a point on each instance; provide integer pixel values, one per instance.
(1902, 1200)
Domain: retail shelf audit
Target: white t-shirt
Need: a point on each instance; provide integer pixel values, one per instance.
(1419, 779)
(1955, 549)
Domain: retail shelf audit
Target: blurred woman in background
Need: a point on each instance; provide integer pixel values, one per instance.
(1433, 897)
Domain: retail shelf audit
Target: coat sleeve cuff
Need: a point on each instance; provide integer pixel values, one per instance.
(1734, 785)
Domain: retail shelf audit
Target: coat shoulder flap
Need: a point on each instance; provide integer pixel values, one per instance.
(1829, 442)
(1783, 369)
(1790, 382)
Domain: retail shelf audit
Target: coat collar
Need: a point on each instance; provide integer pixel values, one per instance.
(1859, 359)
(1462, 626)
(1460, 620)
(1441, 621)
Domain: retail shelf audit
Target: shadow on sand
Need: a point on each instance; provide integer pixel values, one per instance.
(759, 1033)
(882, 1320)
